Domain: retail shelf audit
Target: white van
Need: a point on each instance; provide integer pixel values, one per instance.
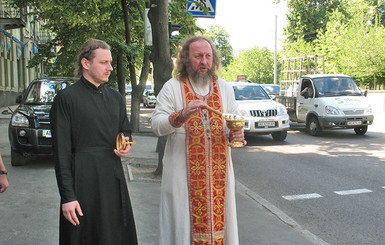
(333, 101)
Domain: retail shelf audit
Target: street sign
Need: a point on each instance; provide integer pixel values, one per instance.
(198, 8)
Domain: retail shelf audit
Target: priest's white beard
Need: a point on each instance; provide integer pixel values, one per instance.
(200, 82)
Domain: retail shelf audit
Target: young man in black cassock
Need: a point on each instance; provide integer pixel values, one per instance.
(85, 120)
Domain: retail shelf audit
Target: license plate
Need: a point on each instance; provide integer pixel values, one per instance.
(47, 133)
(354, 123)
(266, 124)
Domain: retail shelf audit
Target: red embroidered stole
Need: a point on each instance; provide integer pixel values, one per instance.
(207, 167)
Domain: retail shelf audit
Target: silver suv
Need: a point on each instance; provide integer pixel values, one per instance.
(262, 114)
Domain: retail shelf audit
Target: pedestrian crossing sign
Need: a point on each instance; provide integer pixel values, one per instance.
(201, 8)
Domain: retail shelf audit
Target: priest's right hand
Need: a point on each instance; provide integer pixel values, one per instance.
(69, 210)
(192, 108)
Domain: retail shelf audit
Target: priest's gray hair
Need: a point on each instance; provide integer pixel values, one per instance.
(183, 60)
(87, 51)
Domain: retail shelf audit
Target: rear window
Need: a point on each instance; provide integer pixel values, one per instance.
(44, 92)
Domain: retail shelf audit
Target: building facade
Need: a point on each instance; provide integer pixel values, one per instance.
(19, 41)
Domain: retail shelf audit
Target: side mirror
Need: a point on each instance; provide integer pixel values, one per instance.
(18, 98)
(272, 97)
(366, 93)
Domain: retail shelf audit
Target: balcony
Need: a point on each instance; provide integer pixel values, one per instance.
(11, 18)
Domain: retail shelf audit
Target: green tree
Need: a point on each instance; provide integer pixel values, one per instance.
(307, 17)
(113, 21)
(354, 47)
(186, 22)
(220, 38)
(120, 23)
(349, 36)
(161, 56)
(257, 64)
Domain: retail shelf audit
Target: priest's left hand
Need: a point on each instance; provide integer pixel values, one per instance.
(125, 151)
(237, 135)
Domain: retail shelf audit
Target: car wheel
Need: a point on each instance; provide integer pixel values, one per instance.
(17, 158)
(361, 130)
(313, 127)
(279, 136)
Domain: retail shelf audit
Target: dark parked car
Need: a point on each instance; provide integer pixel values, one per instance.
(29, 129)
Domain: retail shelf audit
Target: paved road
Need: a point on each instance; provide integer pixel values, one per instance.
(331, 185)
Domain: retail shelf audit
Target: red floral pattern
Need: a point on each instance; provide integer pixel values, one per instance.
(207, 166)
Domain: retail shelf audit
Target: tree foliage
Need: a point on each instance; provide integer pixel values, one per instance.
(119, 23)
(257, 64)
(358, 50)
(73, 22)
(185, 21)
(220, 38)
(307, 17)
(351, 39)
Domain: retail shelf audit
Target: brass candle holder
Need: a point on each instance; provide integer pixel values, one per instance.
(233, 123)
(121, 142)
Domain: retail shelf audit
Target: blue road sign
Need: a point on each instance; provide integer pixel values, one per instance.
(197, 8)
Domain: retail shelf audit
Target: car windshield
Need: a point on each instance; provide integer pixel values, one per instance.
(44, 92)
(336, 86)
(244, 92)
(151, 93)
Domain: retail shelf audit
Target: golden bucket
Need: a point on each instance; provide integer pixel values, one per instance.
(121, 142)
(232, 123)
(235, 123)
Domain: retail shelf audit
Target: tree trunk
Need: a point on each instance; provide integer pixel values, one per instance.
(137, 93)
(160, 57)
(121, 75)
(374, 80)
(135, 107)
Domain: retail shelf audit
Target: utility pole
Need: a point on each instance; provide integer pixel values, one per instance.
(275, 51)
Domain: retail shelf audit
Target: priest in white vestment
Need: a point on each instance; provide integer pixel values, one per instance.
(198, 187)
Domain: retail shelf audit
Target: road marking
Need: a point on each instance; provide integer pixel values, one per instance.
(302, 196)
(278, 213)
(353, 192)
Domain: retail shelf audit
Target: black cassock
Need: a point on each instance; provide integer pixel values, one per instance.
(85, 121)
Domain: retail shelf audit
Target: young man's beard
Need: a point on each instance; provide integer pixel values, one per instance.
(198, 77)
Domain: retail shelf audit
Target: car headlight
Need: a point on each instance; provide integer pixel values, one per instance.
(281, 110)
(244, 113)
(369, 110)
(19, 120)
(331, 110)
